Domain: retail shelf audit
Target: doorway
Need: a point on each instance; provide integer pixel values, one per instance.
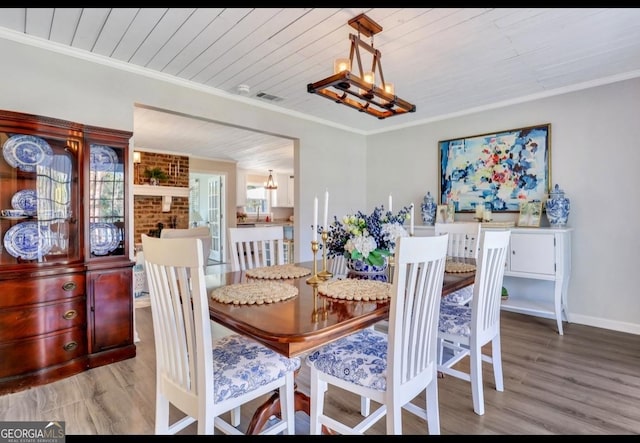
(206, 208)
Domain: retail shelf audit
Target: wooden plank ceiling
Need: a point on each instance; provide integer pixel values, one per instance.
(447, 61)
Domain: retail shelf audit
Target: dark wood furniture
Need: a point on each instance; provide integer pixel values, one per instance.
(68, 306)
(296, 326)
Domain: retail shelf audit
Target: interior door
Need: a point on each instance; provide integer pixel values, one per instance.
(215, 197)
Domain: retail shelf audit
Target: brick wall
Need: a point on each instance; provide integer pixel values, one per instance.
(147, 210)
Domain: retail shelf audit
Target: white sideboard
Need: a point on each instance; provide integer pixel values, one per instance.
(538, 270)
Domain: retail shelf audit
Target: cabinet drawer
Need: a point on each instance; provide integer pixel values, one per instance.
(29, 321)
(41, 290)
(23, 356)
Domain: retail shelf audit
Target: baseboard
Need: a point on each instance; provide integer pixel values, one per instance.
(631, 328)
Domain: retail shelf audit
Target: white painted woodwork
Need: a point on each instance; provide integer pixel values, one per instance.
(535, 254)
(513, 52)
(284, 193)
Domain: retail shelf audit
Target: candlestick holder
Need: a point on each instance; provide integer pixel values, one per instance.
(325, 274)
(315, 314)
(314, 279)
(391, 264)
(325, 311)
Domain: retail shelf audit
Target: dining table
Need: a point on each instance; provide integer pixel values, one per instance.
(297, 325)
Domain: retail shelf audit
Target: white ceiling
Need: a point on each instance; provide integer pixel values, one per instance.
(446, 61)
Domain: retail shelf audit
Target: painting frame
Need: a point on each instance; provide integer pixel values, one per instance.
(530, 214)
(500, 169)
(442, 214)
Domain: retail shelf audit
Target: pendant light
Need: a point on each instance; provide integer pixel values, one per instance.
(270, 184)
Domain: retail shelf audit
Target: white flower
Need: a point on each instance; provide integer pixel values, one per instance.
(364, 244)
(391, 231)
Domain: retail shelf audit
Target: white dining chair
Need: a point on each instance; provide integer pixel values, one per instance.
(465, 329)
(394, 368)
(201, 377)
(256, 247)
(201, 232)
(337, 265)
(463, 243)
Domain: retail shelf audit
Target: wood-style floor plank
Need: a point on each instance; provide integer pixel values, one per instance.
(585, 382)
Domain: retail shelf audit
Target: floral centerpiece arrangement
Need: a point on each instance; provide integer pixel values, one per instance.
(369, 238)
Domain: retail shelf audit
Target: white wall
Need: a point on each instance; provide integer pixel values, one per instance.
(57, 85)
(595, 154)
(594, 147)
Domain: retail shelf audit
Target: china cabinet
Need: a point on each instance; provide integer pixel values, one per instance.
(66, 300)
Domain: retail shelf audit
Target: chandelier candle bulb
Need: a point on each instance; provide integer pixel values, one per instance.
(389, 89)
(341, 64)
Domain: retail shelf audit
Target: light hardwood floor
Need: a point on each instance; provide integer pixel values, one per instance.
(585, 382)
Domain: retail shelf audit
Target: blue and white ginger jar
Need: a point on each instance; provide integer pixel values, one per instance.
(429, 207)
(362, 270)
(558, 207)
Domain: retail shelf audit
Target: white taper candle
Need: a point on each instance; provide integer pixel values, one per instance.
(412, 217)
(315, 219)
(390, 204)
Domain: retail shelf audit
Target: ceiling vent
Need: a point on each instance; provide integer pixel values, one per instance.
(269, 97)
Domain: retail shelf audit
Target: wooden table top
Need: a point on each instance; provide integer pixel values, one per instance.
(295, 326)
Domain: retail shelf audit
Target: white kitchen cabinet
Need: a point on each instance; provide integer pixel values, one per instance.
(539, 255)
(284, 193)
(290, 189)
(241, 188)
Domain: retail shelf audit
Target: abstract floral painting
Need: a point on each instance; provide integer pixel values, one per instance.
(499, 170)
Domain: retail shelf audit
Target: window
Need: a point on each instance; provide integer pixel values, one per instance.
(257, 202)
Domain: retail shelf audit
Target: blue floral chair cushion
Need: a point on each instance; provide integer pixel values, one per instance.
(455, 319)
(460, 297)
(359, 358)
(241, 365)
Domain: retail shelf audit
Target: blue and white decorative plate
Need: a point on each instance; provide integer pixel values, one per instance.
(26, 152)
(27, 241)
(103, 158)
(27, 200)
(105, 237)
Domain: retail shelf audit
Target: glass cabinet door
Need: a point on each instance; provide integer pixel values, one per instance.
(39, 199)
(107, 200)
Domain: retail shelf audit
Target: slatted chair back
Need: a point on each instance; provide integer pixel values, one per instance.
(201, 232)
(464, 238)
(256, 247)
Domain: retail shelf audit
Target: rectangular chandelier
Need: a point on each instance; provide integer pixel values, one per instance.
(360, 92)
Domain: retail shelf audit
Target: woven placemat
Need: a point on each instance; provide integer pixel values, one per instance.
(457, 266)
(354, 289)
(278, 272)
(254, 293)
